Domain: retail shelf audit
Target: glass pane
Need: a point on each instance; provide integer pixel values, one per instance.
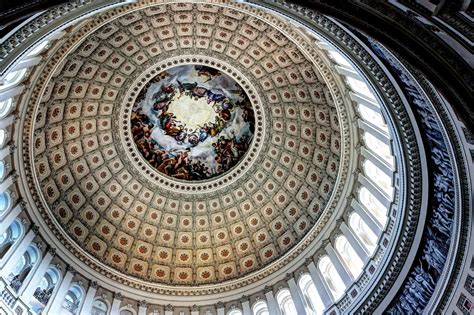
(368, 200)
(363, 232)
(43, 284)
(331, 277)
(340, 59)
(260, 308)
(350, 257)
(286, 303)
(3, 238)
(4, 201)
(380, 178)
(5, 107)
(3, 137)
(359, 86)
(373, 117)
(378, 147)
(13, 78)
(99, 308)
(311, 295)
(38, 49)
(19, 265)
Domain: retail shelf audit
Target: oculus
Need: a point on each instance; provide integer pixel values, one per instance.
(192, 122)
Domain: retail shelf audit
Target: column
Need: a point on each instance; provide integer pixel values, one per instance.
(374, 131)
(354, 241)
(358, 98)
(89, 299)
(11, 262)
(272, 304)
(142, 307)
(374, 190)
(349, 72)
(7, 182)
(296, 295)
(245, 305)
(60, 295)
(168, 309)
(340, 268)
(368, 218)
(11, 92)
(116, 304)
(28, 287)
(194, 310)
(31, 283)
(319, 283)
(220, 308)
(9, 218)
(380, 163)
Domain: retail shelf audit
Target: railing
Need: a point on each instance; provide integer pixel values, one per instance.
(43, 295)
(6, 295)
(15, 284)
(71, 306)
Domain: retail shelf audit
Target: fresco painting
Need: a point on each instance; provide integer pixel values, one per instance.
(192, 122)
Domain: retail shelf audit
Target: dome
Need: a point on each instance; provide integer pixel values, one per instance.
(224, 157)
(181, 170)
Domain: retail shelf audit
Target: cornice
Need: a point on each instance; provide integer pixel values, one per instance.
(413, 40)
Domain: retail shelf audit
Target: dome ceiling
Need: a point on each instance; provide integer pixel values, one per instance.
(192, 122)
(188, 143)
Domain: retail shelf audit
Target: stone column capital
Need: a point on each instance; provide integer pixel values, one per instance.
(268, 289)
(118, 296)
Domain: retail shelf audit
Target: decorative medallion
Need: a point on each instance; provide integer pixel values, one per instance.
(192, 122)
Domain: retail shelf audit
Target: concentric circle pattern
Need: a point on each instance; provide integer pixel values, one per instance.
(270, 179)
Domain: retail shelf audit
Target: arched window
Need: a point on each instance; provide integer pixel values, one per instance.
(13, 78)
(4, 201)
(373, 117)
(72, 300)
(311, 295)
(2, 169)
(3, 137)
(363, 232)
(349, 256)
(4, 238)
(359, 86)
(23, 267)
(126, 312)
(45, 289)
(9, 237)
(340, 59)
(260, 308)
(285, 302)
(368, 200)
(5, 107)
(38, 49)
(379, 177)
(99, 307)
(331, 277)
(378, 147)
(235, 312)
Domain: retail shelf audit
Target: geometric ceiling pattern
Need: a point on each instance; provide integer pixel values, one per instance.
(158, 229)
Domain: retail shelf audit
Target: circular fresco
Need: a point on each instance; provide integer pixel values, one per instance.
(192, 122)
